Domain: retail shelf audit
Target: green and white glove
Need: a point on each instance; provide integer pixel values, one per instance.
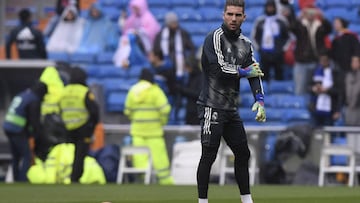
(259, 107)
(251, 71)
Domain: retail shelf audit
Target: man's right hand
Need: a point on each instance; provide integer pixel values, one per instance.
(251, 71)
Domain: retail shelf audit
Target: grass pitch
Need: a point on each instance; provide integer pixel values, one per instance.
(133, 193)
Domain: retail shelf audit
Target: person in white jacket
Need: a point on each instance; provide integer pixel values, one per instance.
(68, 32)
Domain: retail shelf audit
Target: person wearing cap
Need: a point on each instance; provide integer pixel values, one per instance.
(21, 122)
(80, 113)
(175, 42)
(148, 109)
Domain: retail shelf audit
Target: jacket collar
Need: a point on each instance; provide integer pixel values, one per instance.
(229, 33)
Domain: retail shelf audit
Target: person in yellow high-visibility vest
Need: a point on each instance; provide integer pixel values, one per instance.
(148, 109)
(49, 107)
(80, 113)
(51, 77)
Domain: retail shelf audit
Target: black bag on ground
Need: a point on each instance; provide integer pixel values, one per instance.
(307, 174)
(272, 172)
(295, 140)
(54, 133)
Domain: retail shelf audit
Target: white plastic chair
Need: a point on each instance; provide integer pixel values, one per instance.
(185, 160)
(124, 169)
(325, 166)
(225, 169)
(9, 178)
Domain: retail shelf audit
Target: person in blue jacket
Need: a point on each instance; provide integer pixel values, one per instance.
(100, 34)
(22, 121)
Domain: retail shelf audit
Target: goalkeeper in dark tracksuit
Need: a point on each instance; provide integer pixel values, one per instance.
(227, 56)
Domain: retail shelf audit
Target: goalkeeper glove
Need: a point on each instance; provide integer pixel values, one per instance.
(251, 71)
(259, 107)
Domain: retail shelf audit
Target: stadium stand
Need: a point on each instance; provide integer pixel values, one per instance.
(199, 17)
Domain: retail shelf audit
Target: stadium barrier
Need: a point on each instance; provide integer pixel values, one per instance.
(321, 134)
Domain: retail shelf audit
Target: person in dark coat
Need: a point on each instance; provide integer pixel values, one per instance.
(174, 42)
(80, 113)
(191, 90)
(345, 45)
(29, 40)
(22, 121)
(270, 37)
(312, 30)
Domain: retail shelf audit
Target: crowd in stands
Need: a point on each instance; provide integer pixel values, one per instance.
(116, 39)
(310, 57)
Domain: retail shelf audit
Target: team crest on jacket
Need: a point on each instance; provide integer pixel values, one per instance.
(214, 116)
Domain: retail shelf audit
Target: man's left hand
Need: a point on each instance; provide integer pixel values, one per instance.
(259, 107)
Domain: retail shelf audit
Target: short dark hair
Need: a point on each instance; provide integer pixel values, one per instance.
(24, 15)
(240, 3)
(158, 53)
(343, 21)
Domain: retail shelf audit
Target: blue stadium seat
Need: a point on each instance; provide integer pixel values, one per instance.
(246, 28)
(290, 101)
(211, 3)
(282, 87)
(115, 85)
(105, 57)
(275, 115)
(354, 3)
(82, 58)
(188, 3)
(187, 14)
(58, 56)
(336, 3)
(320, 4)
(159, 12)
(297, 116)
(271, 101)
(90, 81)
(244, 86)
(211, 13)
(115, 101)
(113, 3)
(49, 10)
(112, 12)
(110, 71)
(198, 40)
(195, 27)
(11, 22)
(159, 3)
(354, 15)
(332, 12)
(256, 3)
(181, 114)
(246, 100)
(92, 70)
(134, 71)
(213, 25)
(253, 12)
(246, 114)
(355, 28)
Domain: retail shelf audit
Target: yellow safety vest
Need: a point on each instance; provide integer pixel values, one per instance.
(51, 77)
(73, 107)
(148, 109)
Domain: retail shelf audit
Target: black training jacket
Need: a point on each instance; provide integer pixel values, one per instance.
(29, 42)
(223, 52)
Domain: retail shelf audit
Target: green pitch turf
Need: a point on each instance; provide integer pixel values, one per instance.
(26, 193)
